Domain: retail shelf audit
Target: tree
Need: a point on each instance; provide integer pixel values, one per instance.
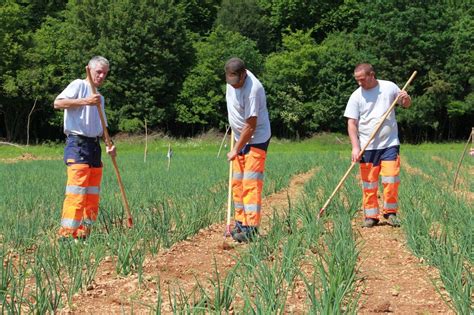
(19, 21)
(249, 19)
(201, 103)
(289, 81)
(309, 84)
(416, 35)
(145, 41)
(199, 14)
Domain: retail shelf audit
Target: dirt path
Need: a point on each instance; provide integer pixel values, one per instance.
(28, 157)
(392, 279)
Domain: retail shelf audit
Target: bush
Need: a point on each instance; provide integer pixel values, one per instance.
(133, 125)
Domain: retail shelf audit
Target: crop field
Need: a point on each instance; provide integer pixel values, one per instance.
(301, 264)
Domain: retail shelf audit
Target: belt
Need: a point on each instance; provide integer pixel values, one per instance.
(91, 139)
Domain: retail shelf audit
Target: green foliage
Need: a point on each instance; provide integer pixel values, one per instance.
(407, 36)
(148, 48)
(309, 84)
(199, 14)
(249, 19)
(201, 103)
(288, 79)
(166, 61)
(133, 125)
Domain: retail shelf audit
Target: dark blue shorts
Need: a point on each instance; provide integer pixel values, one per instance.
(263, 146)
(82, 150)
(375, 156)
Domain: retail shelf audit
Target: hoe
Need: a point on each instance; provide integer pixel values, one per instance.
(225, 245)
(471, 137)
(109, 144)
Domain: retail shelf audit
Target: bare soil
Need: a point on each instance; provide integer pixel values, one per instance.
(27, 157)
(392, 280)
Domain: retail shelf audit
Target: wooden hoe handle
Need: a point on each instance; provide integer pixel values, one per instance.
(109, 144)
(229, 192)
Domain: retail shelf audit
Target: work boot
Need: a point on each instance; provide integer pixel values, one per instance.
(392, 219)
(237, 228)
(369, 222)
(248, 234)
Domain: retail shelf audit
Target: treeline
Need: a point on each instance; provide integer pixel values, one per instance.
(167, 61)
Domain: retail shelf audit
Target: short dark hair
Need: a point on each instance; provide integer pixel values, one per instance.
(234, 65)
(366, 67)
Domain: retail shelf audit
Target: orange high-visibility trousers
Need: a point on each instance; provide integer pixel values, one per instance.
(81, 204)
(370, 169)
(247, 186)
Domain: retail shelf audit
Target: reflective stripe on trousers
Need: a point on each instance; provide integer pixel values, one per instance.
(389, 171)
(247, 185)
(81, 204)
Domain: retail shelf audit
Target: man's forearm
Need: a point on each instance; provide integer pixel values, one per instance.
(245, 136)
(353, 135)
(70, 103)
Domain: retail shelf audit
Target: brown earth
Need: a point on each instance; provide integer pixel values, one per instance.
(27, 157)
(391, 279)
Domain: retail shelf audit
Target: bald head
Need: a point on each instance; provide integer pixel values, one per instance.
(367, 68)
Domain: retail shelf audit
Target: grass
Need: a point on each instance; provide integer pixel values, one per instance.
(169, 206)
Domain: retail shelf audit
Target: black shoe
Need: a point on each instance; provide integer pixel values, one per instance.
(392, 219)
(237, 228)
(369, 222)
(248, 234)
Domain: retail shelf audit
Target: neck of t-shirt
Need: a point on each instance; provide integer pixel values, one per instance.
(376, 84)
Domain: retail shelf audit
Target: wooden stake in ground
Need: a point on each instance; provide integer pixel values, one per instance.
(389, 110)
(168, 155)
(28, 123)
(146, 143)
(225, 245)
(222, 142)
(471, 137)
(109, 144)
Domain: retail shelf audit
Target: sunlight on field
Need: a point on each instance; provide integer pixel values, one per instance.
(40, 275)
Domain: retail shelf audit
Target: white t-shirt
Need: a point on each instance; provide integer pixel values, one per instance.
(248, 101)
(81, 120)
(368, 106)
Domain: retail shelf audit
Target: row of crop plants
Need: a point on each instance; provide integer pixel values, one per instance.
(300, 254)
(439, 224)
(40, 275)
(437, 221)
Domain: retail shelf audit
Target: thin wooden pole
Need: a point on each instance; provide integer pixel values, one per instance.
(222, 142)
(109, 144)
(372, 136)
(146, 143)
(229, 191)
(28, 123)
(471, 137)
(168, 155)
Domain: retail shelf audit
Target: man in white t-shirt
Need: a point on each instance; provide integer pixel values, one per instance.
(248, 118)
(82, 153)
(364, 109)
